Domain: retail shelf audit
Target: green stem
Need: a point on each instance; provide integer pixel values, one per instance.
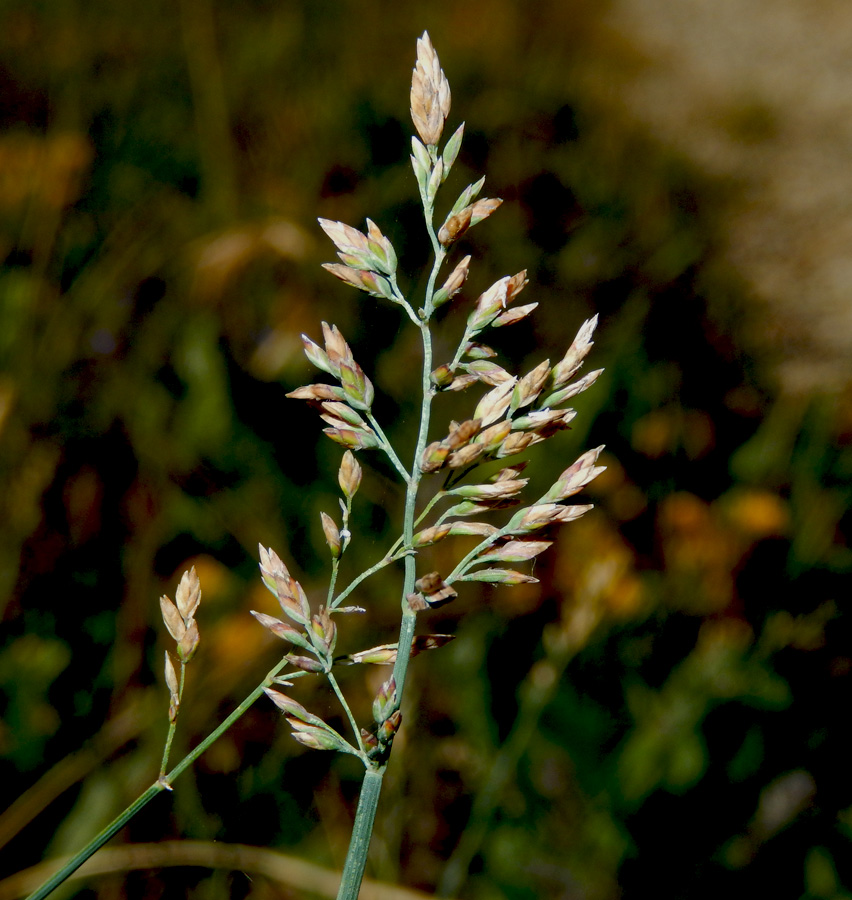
(336, 688)
(98, 841)
(387, 447)
(362, 830)
(162, 784)
(386, 560)
(356, 858)
(332, 583)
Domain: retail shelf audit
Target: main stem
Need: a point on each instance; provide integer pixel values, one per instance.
(365, 815)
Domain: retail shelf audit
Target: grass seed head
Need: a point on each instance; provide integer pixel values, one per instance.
(430, 93)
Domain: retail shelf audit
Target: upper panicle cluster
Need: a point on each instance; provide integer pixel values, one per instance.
(430, 93)
(517, 412)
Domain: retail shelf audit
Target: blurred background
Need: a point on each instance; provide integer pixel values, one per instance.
(663, 712)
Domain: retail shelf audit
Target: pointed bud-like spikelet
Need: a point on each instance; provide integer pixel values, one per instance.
(442, 376)
(173, 685)
(271, 568)
(416, 603)
(434, 590)
(576, 476)
(317, 355)
(545, 514)
(317, 392)
(346, 238)
(430, 93)
(435, 180)
(482, 209)
(353, 438)
(508, 577)
(579, 386)
(349, 475)
(493, 436)
(357, 387)
(383, 655)
(471, 507)
(188, 644)
(467, 196)
(188, 594)
(479, 351)
(464, 456)
(292, 599)
(538, 516)
(453, 284)
(451, 149)
(389, 727)
(547, 427)
(457, 223)
(370, 741)
(421, 163)
(434, 457)
(514, 551)
(538, 420)
(324, 632)
(455, 226)
(386, 701)
(364, 280)
(510, 472)
(282, 630)
(514, 443)
(172, 618)
(529, 387)
(430, 536)
(495, 403)
(462, 434)
(499, 490)
(480, 529)
(341, 414)
(513, 315)
(382, 249)
(562, 394)
(516, 284)
(576, 353)
(314, 741)
(332, 534)
(305, 663)
(424, 642)
(336, 348)
(288, 705)
(488, 372)
(488, 305)
(462, 382)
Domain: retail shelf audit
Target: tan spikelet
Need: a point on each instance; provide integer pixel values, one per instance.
(430, 93)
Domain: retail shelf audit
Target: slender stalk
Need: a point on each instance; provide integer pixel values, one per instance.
(387, 446)
(384, 561)
(336, 688)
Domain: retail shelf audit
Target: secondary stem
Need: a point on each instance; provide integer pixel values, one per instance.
(162, 784)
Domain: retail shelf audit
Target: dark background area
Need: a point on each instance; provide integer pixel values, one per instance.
(668, 701)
